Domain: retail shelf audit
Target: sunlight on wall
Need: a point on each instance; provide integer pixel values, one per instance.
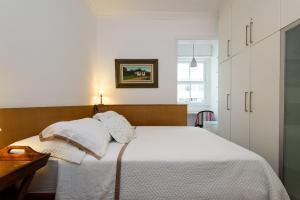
(102, 82)
(94, 98)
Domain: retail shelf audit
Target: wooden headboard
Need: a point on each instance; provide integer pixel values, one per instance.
(151, 115)
(20, 123)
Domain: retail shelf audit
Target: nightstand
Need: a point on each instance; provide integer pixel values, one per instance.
(17, 170)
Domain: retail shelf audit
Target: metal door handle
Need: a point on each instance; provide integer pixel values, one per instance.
(227, 103)
(251, 32)
(251, 93)
(247, 28)
(246, 109)
(228, 51)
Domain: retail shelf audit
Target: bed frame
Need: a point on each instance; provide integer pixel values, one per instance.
(20, 123)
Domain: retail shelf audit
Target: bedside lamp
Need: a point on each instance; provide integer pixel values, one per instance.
(101, 92)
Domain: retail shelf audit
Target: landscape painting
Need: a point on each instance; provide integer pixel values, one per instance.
(136, 73)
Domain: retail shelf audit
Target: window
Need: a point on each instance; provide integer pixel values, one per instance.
(191, 81)
(194, 83)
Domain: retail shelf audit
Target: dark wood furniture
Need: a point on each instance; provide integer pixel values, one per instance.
(17, 171)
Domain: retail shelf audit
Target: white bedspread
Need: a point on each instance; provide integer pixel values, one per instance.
(173, 163)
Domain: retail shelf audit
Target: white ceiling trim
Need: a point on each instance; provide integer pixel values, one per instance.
(159, 15)
(155, 8)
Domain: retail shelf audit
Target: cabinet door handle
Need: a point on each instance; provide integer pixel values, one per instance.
(250, 99)
(227, 101)
(247, 28)
(246, 109)
(251, 32)
(228, 51)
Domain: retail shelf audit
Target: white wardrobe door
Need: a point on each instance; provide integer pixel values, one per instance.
(289, 11)
(265, 84)
(225, 32)
(266, 18)
(240, 85)
(224, 99)
(240, 18)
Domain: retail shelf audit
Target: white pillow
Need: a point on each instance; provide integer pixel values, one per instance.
(106, 115)
(56, 148)
(87, 134)
(117, 125)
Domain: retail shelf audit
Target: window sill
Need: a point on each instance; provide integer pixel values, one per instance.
(192, 112)
(195, 108)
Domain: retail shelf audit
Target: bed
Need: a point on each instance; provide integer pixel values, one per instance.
(168, 162)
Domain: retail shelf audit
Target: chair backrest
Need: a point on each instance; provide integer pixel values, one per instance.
(206, 115)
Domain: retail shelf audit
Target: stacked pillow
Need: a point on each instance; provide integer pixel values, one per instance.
(117, 125)
(71, 140)
(87, 134)
(57, 148)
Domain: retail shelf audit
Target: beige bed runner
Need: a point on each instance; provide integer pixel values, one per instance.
(118, 172)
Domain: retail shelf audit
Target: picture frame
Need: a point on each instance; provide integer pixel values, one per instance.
(136, 73)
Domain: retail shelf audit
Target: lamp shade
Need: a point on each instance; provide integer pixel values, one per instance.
(101, 92)
(194, 62)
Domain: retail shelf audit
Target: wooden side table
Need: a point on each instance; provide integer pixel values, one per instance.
(17, 171)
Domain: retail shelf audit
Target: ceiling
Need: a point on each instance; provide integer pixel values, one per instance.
(126, 7)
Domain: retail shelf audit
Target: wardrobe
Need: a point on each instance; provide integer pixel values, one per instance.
(259, 81)
(249, 73)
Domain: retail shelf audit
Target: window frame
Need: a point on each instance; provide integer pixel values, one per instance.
(206, 83)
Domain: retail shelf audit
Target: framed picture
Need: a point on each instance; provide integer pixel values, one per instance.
(136, 73)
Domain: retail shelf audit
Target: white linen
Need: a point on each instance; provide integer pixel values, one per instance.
(56, 148)
(174, 163)
(105, 115)
(118, 126)
(92, 180)
(88, 134)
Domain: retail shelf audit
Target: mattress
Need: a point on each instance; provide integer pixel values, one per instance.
(173, 163)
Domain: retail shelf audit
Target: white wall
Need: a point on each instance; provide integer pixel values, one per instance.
(214, 81)
(46, 53)
(144, 37)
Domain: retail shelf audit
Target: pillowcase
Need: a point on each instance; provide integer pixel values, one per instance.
(106, 115)
(87, 134)
(56, 148)
(117, 125)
